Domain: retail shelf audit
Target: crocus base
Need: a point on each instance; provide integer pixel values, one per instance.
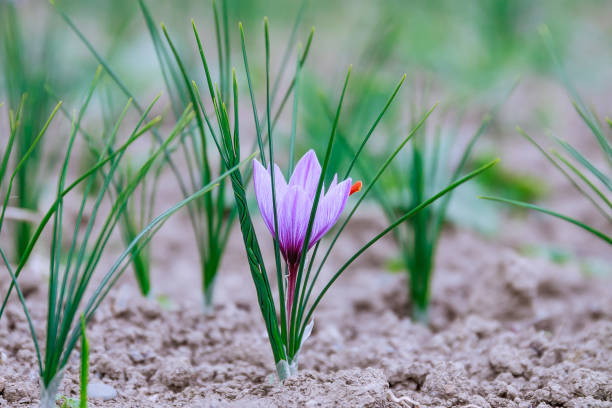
(285, 370)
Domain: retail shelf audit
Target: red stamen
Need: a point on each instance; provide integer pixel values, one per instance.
(355, 188)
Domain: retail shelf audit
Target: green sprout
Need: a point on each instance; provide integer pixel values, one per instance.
(427, 167)
(82, 401)
(70, 278)
(75, 254)
(66, 402)
(424, 169)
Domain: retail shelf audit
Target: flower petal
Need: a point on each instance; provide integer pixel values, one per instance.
(294, 213)
(329, 209)
(263, 192)
(279, 183)
(334, 182)
(306, 173)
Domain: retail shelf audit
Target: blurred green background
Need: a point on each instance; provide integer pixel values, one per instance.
(467, 46)
(464, 54)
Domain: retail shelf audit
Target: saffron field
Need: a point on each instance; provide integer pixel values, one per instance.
(239, 203)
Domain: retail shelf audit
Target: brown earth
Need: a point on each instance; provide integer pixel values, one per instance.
(505, 331)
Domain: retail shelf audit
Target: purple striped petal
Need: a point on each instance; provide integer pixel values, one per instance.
(293, 216)
(294, 204)
(306, 173)
(329, 209)
(263, 192)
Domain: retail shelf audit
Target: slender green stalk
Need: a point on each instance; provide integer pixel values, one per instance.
(577, 186)
(543, 210)
(84, 365)
(298, 68)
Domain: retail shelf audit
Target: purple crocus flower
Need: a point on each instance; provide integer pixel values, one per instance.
(294, 202)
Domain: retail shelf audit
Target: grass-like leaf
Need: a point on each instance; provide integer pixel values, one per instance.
(84, 365)
(582, 225)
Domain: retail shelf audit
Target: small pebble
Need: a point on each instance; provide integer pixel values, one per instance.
(101, 391)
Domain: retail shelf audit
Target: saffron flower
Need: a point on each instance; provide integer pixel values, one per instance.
(294, 201)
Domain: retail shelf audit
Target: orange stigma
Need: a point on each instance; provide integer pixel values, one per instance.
(355, 188)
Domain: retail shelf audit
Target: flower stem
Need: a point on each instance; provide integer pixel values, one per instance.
(291, 282)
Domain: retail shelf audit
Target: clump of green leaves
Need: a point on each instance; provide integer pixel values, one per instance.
(72, 267)
(288, 331)
(423, 169)
(75, 255)
(427, 168)
(211, 218)
(587, 178)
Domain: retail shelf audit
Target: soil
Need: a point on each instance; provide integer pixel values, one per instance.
(505, 331)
